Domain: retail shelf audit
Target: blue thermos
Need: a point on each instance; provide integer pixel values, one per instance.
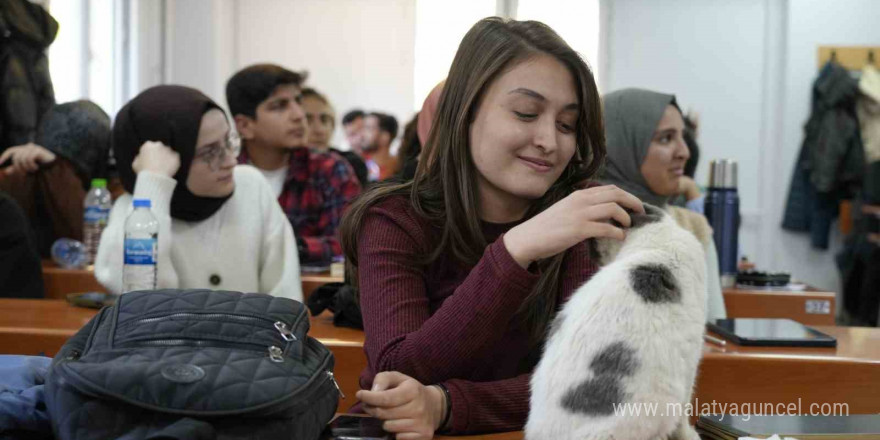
(722, 211)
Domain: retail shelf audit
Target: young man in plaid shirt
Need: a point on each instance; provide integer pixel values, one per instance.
(313, 188)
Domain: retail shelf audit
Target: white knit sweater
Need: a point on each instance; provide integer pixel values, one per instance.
(246, 246)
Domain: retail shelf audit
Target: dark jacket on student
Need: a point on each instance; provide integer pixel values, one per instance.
(831, 163)
(26, 30)
(21, 275)
(859, 261)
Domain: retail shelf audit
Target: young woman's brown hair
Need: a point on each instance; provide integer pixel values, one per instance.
(444, 190)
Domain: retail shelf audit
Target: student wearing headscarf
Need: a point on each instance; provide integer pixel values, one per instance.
(219, 224)
(49, 178)
(646, 157)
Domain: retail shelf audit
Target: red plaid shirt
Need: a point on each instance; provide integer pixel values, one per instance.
(317, 190)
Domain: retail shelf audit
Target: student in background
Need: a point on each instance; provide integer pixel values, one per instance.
(49, 179)
(313, 188)
(429, 109)
(219, 224)
(415, 134)
(460, 270)
(21, 275)
(647, 156)
(353, 125)
(410, 149)
(321, 120)
(380, 129)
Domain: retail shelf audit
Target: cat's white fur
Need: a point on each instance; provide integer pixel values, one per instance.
(664, 340)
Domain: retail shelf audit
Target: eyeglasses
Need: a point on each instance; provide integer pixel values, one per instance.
(215, 154)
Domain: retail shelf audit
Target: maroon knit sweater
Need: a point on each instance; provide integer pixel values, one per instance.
(450, 323)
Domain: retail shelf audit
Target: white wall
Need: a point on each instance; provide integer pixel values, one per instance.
(343, 44)
(747, 67)
(191, 49)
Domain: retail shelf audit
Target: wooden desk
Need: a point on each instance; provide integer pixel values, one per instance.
(38, 326)
(809, 307)
(849, 373)
(518, 435)
(59, 282)
(42, 326)
(347, 346)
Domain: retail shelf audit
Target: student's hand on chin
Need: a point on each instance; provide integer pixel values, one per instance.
(688, 188)
(158, 158)
(26, 158)
(409, 409)
(585, 213)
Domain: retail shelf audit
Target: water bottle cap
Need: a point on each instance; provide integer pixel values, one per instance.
(142, 203)
(99, 183)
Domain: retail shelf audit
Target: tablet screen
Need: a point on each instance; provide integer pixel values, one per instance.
(756, 331)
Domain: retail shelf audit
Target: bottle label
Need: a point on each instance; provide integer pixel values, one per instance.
(140, 251)
(96, 214)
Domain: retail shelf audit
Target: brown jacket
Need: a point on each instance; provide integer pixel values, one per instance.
(52, 200)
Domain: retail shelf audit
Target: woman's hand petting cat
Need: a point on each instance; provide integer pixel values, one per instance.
(584, 214)
(158, 158)
(409, 409)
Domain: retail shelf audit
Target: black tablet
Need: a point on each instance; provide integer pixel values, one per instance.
(770, 333)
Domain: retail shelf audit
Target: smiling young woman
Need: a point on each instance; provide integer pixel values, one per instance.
(460, 270)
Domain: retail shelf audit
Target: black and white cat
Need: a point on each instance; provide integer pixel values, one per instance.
(631, 335)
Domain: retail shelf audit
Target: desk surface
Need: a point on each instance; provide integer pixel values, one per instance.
(501, 436)
(59, 282)
(849, 373)
(57, 318)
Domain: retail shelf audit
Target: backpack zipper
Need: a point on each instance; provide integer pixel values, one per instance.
(276, 354)
(280, 326)
(336, 384)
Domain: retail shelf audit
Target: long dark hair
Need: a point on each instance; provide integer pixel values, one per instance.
(444, 189)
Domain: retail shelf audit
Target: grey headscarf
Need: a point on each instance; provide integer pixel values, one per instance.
(631, 118)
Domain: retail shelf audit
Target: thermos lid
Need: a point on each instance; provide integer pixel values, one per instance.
(722, 173)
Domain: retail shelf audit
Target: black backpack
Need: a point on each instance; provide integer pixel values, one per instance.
(193, 364)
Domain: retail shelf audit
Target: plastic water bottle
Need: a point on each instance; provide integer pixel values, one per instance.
(69, 253)
(97, 211)
(141, 248)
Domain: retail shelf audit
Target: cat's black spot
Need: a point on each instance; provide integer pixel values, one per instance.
(652, 214)
(617, 359)
(598, 395)
(653, 210)
(595, 255)
(655, 283)
(595, 397)
(639, 220)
